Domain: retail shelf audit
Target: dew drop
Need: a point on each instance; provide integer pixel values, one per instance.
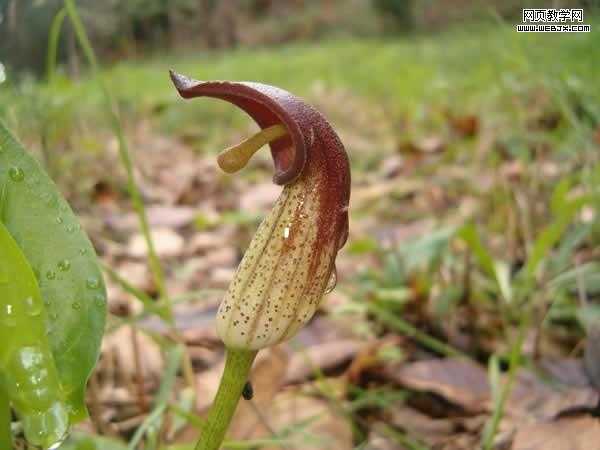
(332, 281)
(51, 275)
(16, 174)
(70, 228)
(92, 283)
(57, 444)
(99, 300)
(82, 251)
(46, 197)
(64, 265)
(76, 305)
(33, 307)
(59, 220)
(7, 315)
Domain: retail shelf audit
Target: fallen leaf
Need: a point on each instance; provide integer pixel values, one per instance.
(571, 433)
(459, 381)
(267, 377)
(323, 356)
(420, 425)
(533, 399)
(465, 126)
(119, 346)
(167, 243)
(260, 197)
(322, 427)
(379, 440)
(568, 371)
(162, 216)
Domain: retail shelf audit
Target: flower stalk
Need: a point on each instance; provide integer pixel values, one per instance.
(290, 261)
(235, 375)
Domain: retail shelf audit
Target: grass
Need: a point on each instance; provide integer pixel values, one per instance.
(451, 69)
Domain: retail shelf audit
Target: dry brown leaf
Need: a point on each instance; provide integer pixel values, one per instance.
(573, 433)
(457, 380)
(465, 384)
(327, 429)
(208, 240)
(259, 197)
(221, 276)
(119, 346)
(221, 257)
(207, 383)
(323, 356)
(465, 126)
(267, 377)
(167, 243)
(159, 216)
(532, 399)
(417, 424)
(392, 165)
(568, 371)
(378, 439)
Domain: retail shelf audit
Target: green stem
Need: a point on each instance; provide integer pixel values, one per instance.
(407, 329)
(5, 419)
(491, 428)
(53, 41)
(235, 375)
(136, 197)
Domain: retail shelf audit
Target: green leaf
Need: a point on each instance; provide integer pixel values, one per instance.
(471, 237)
(550, 235)
(502, 274)
(587, 275)
(27, 367)
(428, 249)
(64, 262)
(560, 195)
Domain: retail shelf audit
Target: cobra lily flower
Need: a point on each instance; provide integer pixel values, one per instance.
(291, 259)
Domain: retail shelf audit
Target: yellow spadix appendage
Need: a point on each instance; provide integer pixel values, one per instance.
(235, 158)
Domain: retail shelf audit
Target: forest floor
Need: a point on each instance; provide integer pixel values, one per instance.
(466, 295)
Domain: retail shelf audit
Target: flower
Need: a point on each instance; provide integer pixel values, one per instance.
(291, 259)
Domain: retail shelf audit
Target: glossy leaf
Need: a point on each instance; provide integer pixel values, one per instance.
(28, 372)
(64, 262)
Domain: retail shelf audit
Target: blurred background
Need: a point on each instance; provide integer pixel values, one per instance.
(466, 311)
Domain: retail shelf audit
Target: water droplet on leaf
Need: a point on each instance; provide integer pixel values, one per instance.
(99, 300)
(76, 306)
(92, 283)
(51, 275)
(33, 307)
(64, 265)
(16, 174)
(7, 315)
(332, 281)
